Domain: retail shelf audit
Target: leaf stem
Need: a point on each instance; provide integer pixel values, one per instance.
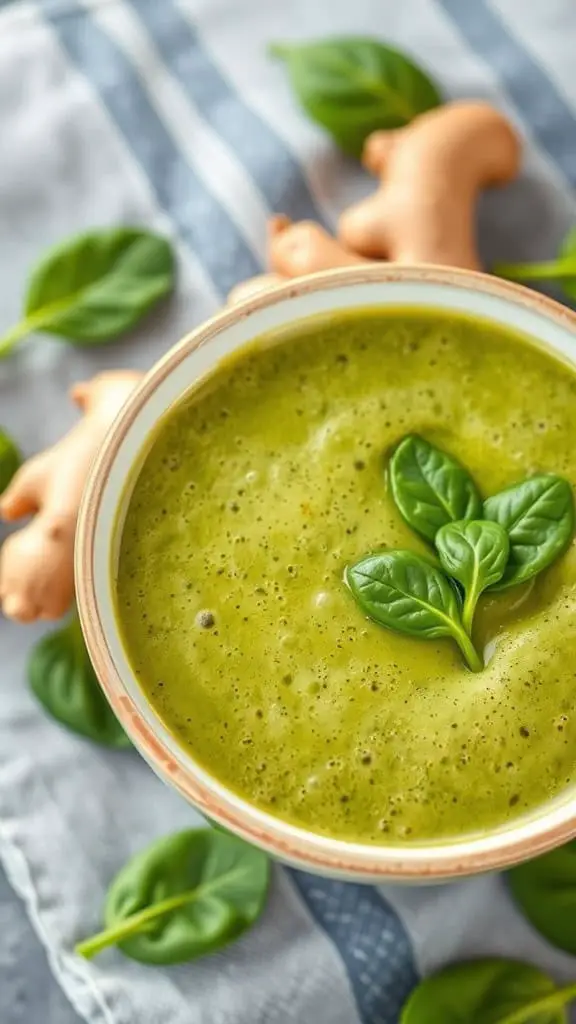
(560, 997)
(470, 602)
(138, 922)
(470, 653)
(13, 336)
(35, 320)
(135, 923)
(553, 269)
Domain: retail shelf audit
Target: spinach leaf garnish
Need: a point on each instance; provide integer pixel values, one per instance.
(476, 554)
(538, 515)
(404, 592)
(482, 546)
(431, 488)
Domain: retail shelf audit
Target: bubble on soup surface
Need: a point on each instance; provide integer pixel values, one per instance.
(205, 619)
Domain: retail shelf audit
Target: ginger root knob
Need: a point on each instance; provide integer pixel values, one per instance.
(431, 172)
(305, 248)
(294, 250)
(37, 562)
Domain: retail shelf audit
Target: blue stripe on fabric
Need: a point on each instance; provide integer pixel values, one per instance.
(196, 215)
(262, 152)
(549, 117)
(370, 938)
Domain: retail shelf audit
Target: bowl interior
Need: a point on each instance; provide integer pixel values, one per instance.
(107, 495)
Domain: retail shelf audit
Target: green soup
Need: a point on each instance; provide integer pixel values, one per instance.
(259, 488)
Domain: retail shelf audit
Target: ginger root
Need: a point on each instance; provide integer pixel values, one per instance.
(305, 248)
(295, 250)
(431, 172)
(37, 562)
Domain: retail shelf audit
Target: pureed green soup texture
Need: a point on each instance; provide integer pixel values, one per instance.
(260, 488)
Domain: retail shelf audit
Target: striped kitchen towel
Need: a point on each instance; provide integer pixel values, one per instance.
(168, 113)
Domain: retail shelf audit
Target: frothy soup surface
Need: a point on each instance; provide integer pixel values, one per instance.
(259, 488)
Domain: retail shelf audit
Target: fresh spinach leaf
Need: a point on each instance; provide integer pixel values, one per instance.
(185, 896)
(96, 286)
(10, 460)
(562, 269)
(488, 991)
(431, 488)
(352, 86)
(538, 515)
(474, 552)
(545, 891)
(404, 592)
(63, 680)
(498, 544)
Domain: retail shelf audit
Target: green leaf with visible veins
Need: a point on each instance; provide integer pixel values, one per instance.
(538, 515)
(94, 287)
(185, 896)
(404, 592)
(430, 487)
(353, 86)
(474, 552)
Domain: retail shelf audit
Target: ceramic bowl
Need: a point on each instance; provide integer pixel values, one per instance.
(101, 517)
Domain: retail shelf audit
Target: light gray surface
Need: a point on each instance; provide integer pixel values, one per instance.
(167, 112)
(30, 994)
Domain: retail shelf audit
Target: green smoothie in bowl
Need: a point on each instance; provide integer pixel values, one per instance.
(235, 595)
